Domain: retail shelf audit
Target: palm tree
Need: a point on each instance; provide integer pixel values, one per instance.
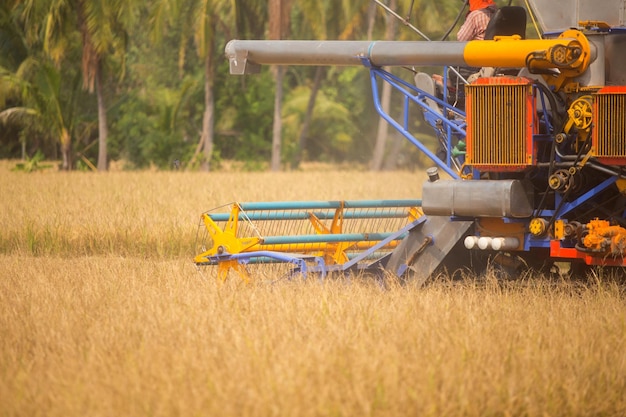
(278, 29)
(36, 84)
(13, 49)
(31, 84)
(201, 20)
(315, 14)
(325, 19)
(100, 25)
(383, 127)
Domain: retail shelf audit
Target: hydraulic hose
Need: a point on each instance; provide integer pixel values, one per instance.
(456, 21)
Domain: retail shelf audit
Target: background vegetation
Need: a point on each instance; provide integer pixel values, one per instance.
(103, 313)
(146, 83)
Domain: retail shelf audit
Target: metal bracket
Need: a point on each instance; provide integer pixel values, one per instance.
(240, 65)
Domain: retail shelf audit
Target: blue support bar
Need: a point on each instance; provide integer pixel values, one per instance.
(567, 207)
(258, 256)
(400, 234)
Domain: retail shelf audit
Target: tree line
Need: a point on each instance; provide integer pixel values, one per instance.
(87, 82)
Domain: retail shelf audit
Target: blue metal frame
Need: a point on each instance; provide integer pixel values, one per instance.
(299, 261)
(412, 94)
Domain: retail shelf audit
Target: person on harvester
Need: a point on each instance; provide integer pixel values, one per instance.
(476, 21)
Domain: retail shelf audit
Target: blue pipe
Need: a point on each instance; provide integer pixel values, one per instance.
(304, 215)
(309, 205)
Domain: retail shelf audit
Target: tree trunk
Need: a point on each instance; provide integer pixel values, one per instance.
(304, 132)
(391, 161)
(277, 126)
(65, 150)
(278, 29)
(371, 20)
(381, 137)
(208, 118)
(103, 131)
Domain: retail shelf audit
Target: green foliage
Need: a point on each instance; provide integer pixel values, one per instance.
(331, 132)
(144, 132)
(154, 79)
(40, 105)
(246, 107)
(13, 49)
(33, 163)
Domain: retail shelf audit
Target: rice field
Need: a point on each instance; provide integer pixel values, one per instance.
(103, 313)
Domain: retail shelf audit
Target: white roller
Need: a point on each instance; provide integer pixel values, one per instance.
(504, 243)
(488, 242)
(484, 242)
(470, 242)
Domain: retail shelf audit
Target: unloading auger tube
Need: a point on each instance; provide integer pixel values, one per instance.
(570, 53)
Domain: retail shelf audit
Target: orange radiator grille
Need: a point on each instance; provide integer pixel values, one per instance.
(609, 128)
(499, 123)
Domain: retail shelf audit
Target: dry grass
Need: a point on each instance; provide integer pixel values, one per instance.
(154, 214)
(102, 313)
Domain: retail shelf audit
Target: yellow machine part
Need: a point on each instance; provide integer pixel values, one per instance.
(538, 226)
(570, 53)
(580, 116)
(602, 237)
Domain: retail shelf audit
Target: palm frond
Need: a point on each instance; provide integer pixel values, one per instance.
(16, 114)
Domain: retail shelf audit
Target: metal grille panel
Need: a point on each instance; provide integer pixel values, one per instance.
(609, 116)
(499, 119)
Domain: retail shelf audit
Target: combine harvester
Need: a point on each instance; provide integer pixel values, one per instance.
(535, 155)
